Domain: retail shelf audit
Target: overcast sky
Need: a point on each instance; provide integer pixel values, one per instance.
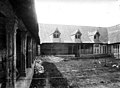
(101, 13)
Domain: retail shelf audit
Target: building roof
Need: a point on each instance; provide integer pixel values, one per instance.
(67, 30)
(56, 31)
(25, 10)
(114, 34)
(75, 32)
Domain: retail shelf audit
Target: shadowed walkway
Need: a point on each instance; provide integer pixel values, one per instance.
(52, 75)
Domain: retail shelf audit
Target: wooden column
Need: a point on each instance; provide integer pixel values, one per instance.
(33, 50)
(72, 49)
(51, 50)
(11, 53)
(29, 52)
(92, 48)
(23, 53)
(118, 51)
(84, 49)
(79, 50)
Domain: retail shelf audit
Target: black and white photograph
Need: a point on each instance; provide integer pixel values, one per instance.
(59, 43)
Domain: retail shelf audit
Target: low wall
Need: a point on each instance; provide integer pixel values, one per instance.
(94, 56)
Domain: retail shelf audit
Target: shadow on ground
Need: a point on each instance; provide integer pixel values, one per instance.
(52, 74)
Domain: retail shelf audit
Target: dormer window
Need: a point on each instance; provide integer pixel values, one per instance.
(77, 36)
(95, 37)
(56, 34)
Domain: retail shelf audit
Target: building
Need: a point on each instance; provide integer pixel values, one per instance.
(19, 39)
(73, 40)
(114, 41)
(80, 40)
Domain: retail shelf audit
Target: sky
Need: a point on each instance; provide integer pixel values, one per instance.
(100, 13)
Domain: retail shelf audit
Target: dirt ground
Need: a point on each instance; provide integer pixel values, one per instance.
(84, 73)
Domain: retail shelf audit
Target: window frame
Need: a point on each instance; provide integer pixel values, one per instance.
(77, 36)
(56, 35)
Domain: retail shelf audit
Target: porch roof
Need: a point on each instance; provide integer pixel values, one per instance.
(25, 10)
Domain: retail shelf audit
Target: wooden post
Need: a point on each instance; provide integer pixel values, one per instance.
(32, 50)
(23, 53)
(11, 53)
(14, 59)
(47, 81)
(92, 48)
(84, 49)
(72, 49)
(79, 50)
(119, 51)
(29, 52)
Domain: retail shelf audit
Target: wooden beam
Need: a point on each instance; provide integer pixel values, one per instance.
(11, 28)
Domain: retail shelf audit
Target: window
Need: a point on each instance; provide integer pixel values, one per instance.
(115, 48)
(97, 50)
(95, 37)
(56, 35)
(77, 36)
(96, 45)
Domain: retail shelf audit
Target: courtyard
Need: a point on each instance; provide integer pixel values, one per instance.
(80, 73)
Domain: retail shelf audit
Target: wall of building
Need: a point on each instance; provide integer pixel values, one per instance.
(2, 37)
(57, 40)
(100, 49)
(116, 50)
(66, 49)
(86, 49)
(14, 50)
(3, 48)
(54, 49)
(77, 49)
(78, 40)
